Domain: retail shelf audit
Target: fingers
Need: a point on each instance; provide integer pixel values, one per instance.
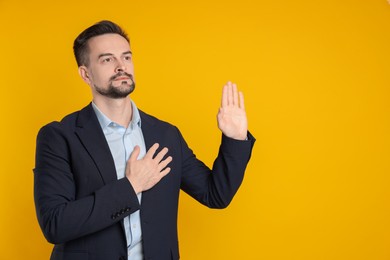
(242, 104)
(230, 93)
(231, 96)
(145, 173)
(134, 155)
(224, 102)
(165, 171)
(161, 154)
(152, 150)
(163, 164)
(159, 157)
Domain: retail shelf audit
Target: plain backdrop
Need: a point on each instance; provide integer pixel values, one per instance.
(315, 75)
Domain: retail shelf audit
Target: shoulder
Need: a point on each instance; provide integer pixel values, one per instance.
(68, 123)
(159, 129)
(154, 121)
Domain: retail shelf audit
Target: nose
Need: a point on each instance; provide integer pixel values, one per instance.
(120, 67)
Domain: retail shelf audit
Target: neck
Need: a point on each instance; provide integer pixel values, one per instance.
(118, 110)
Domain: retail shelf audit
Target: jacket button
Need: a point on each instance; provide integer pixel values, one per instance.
(113, 217)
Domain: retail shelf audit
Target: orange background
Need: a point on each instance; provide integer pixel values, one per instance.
(316, 80)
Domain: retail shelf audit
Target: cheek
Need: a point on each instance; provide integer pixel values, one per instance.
(130, 67)
(100, 77)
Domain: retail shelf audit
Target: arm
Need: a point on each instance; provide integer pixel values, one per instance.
(71, 199)
(67, 207)
(217, 187)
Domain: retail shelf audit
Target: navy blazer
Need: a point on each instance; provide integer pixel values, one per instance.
(80, 203)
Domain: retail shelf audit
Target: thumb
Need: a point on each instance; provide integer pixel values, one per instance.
(134, 154)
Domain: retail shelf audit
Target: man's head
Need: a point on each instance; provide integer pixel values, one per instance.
(105, 60)
(80, 45)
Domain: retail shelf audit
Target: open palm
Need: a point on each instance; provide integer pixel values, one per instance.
(232, 120)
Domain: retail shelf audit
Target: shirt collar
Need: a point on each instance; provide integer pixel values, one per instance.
(104, 121)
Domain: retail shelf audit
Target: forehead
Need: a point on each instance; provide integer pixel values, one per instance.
(108, 43)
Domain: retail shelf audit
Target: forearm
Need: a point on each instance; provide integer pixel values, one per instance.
(216, 188)
(229, 169)
(63, 217)
(71, 198)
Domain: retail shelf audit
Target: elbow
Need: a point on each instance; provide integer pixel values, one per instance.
(219, 202)
(221, 205)
(54, 238)
(51, 239)
(52, 231)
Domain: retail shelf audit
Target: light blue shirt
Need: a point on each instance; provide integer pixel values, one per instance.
(122, 141)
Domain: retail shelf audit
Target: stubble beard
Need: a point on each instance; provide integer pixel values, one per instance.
(121, 91)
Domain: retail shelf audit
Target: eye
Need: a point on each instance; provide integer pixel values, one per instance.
(127, 58)
(108, 59)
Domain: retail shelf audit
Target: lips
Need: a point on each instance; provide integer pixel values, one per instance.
(121, 78)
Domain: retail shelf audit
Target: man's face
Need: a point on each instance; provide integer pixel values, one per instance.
(110, 70)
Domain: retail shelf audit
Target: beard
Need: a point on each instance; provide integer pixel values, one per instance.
(121, 91)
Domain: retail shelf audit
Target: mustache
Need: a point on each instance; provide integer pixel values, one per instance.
(121, 74)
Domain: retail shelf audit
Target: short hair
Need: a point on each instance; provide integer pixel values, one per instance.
(80, 45)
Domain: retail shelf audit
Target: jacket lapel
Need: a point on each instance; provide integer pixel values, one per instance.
(92, 137)
(150, 136)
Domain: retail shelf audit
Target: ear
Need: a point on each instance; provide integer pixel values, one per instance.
(83, 72)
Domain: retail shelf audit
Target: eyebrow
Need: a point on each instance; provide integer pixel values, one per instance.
(110, 54)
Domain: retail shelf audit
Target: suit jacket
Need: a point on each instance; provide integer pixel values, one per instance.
(80, 203)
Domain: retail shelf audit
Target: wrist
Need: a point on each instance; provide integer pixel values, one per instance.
(136, 189)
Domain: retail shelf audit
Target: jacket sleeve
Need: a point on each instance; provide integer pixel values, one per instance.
(62, 214)
(216, 187)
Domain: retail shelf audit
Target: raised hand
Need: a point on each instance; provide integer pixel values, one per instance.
(232, 120)
(143, 174)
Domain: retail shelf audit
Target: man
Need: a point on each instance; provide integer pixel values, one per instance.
(107, 178)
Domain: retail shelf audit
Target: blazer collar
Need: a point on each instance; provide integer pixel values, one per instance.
(92, 137)
(148, 129)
